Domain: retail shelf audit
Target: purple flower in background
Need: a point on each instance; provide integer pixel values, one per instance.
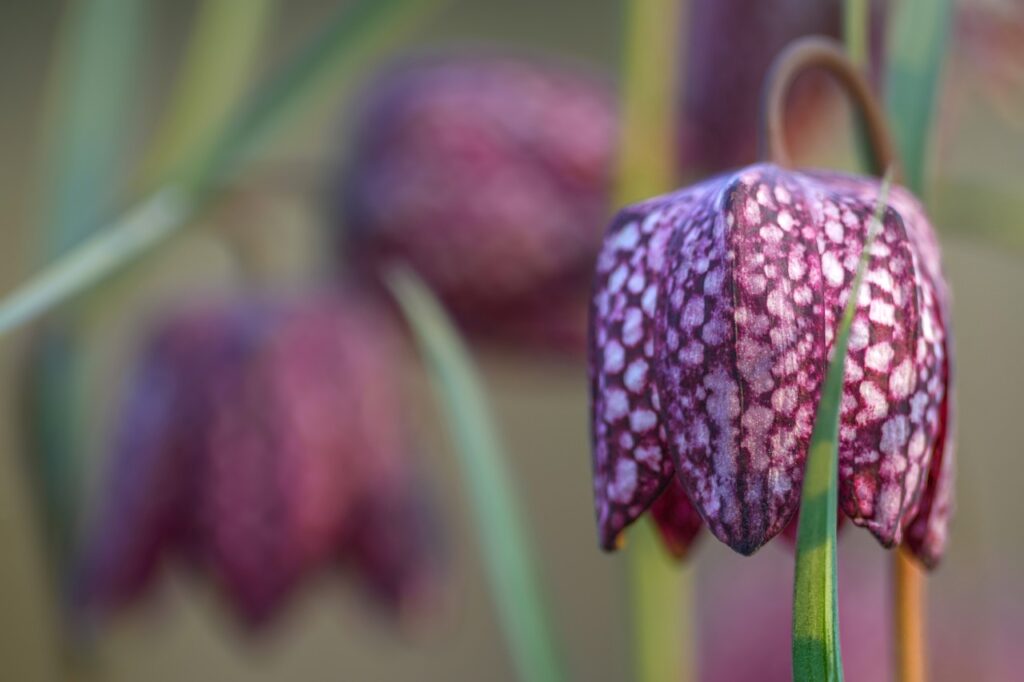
(263, 442)
(730, 46)
(712, 321)
(488, 176)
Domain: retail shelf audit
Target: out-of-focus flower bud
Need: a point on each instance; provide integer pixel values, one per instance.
(487, 175)
(263, 442)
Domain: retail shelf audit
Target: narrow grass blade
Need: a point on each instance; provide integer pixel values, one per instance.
(354, 26)
(86, 116)
(137, 231)
(497, 510)
(856, 30)
(816, 655)
(916, 52)
(171, 206)
(214, 75)
(92, 83)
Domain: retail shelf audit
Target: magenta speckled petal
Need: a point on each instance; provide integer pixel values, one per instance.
(743, 354)
(631, 463)
(927, 533)
(905, 270)
(751, 285)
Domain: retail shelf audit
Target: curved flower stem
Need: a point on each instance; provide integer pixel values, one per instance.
(827, 54)
(908, 617)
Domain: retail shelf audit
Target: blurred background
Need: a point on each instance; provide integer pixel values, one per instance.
(272, 229)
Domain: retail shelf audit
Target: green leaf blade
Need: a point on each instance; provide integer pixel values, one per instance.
(916, 53)
(816, 651)
(83, 141)
(500, 527)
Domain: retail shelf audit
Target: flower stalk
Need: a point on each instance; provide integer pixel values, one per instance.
(661, 594)
(908, 617)
(816, 650)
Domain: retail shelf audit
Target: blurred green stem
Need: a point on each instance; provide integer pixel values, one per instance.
(856, 29)
(82, 141)
(350, 32)
(646, 146)
(856, 18)
(661, 594)
(496, 508)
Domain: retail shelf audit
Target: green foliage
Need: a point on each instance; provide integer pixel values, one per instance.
(919, 31)
(83, 139)
(214, 75)
(171, 206)
(816, 654)
(496, 509)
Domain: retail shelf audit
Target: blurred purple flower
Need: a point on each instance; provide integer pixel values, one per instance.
(730, 47)
(263, 442)
(713, 316)
(488, 176)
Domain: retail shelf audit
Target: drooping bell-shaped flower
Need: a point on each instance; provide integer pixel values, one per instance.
(713, 318)
(488, 175)
(263, 442)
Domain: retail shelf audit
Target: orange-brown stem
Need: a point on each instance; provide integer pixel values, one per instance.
(908, 617)
(827, 54)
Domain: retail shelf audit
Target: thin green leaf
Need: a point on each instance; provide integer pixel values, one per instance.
(496, 509)
(856, 28)
(214, 75)
(816, 655)
(916, 52)
(170, 207)
(353, 27)
(134, 233)
(95, 67)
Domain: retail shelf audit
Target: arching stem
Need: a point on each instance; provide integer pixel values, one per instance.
(827, 54)
(807, 53)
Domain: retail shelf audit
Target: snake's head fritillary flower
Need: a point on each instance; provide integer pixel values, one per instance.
(263, 442)
(488, 176)
(730, 47)
(712, 322)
